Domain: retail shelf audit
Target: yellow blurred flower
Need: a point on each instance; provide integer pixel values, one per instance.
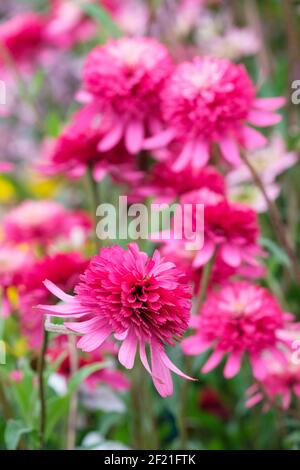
(7, 190)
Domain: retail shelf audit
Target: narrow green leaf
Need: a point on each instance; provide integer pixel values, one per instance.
(13, 432)
(103, 17)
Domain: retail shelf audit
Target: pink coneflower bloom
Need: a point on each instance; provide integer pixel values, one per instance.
(125, 77)
(209, 101)
(109, 376)
(22, 38)
(238, 319)
(13, 261)
(64, 269)
(231, 229)
(140, 300)
(40, 222)
(166, 185)
(6, 167)
(76, 149)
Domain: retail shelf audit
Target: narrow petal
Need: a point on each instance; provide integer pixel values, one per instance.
(57, 292)
(134, 136)
(233, 364)
(270, 104)
(111, 139)
(230, 151)
(200, 155)
(194, 345)
(204, 255)
(215, 358)
(159, 140)
(252, 139)
(184, 158)
(84, 327)
(231, 255)
(92, 341)
(163, 382)
(127, 350)
(254, 400)
(169, 364)
(258, 367)
(263, 118)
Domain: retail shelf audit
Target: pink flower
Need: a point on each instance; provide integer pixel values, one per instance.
(110, 376)
(76, 148)
(13, 261)
(139, 299)
(22, 37)
(16, 376)
(63, 269)
(281, 381)
(40, 222)
(239, 318)
(6, 167)
(166, 185)
(125, 77)
(209, 101)
(229, 228)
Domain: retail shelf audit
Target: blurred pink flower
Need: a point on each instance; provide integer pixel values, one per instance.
(209, 101)
(13, 261)
(6, 167)
(239, 318)
(41, 222)
(64, 269)
(125, 77)
(110, 375)
(16, 376)
(139, 299)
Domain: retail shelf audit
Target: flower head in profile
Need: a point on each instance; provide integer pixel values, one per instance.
(62, 268)
(141, 300)
(238, 319)
(213, 101)
(125, 77)
(109, 375)
(13, 261)
(41, 222)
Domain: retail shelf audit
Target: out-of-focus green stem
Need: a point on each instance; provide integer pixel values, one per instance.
(42, 391)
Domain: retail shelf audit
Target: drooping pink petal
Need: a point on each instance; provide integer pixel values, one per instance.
(159, 140)
(254, 400)
(258, 367)
(231, 255)
(184, 157)
(269, 104)
(200, 155)
(252, 139)
(212, 362)
(127, 351)
(286, 399)
(92, 341)
(263, 118)
(204, 255)
(112, 138)
(84, 327)
(195, 345)
(134, 136)
(230, 150)
(233, 364)
(168, 363)
(163, 382)
(57, 292)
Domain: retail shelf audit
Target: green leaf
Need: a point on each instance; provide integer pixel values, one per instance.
(83, 374)
(13, 432)
(104, 18)
(275, 250)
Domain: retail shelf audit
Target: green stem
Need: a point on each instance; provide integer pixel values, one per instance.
(205, 278)
(95, 201)
(276, 220)
(42, 392)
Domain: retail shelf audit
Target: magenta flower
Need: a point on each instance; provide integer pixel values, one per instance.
(13, 261)
(239, 318)
(140, 300)
(209, 101)
(41, 222)
(77, 148)
(125, 78)
(64, 269)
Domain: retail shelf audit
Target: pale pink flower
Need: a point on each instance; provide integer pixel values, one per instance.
(6, 167)
(238, 319)
(40, 222)
(212, 101)
(125, 77)
(16, 376)
(141, 300)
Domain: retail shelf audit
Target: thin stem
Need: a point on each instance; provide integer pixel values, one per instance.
(95, 201)
(205, 278)
(276, 220)
(72, 421)
(42, 393)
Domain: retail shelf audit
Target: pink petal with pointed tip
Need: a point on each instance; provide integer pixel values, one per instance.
(92, 341)
(269, 104)
(252, 139)
(233, 364)
(127, 351)
(111, 139)
(212, 362)
(164, 384)
(231, 255)
(263, 118)
(57, 292)
(195, 345)
(204, 255)
(169, 364)
(159, 140)
(230, 151)
(134, 136)
(200, 155)
(184, 157)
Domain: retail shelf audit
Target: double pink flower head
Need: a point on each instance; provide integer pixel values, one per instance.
(142, 301)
